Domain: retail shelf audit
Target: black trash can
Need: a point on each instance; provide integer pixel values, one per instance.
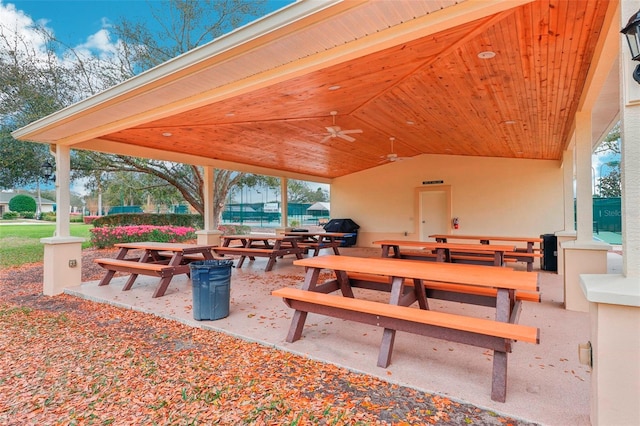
(211, 284)
(344, 225)
(549, 248)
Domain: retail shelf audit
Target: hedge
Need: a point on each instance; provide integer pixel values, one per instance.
(169, 219)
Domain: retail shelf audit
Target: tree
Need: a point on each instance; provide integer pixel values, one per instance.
(610, 185)
(299, 192)
(608, 153)
(184, 25)
(611, 142)
(22, 203)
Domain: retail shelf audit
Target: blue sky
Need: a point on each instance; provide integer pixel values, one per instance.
(76, 22)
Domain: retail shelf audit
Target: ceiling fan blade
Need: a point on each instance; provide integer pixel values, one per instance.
(326, 138)
(346, 132)
(334, 130)
(346, 137)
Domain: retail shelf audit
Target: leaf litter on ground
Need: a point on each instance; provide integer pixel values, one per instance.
(69, 361)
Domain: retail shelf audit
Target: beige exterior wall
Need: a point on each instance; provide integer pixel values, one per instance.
(491, 196)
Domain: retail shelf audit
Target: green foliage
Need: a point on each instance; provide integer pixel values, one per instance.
(610, 186)
(22, 203)
(108, 236)
(10, 215)
(49, 216)
(28, 215)
(234, 229)
(149, 219)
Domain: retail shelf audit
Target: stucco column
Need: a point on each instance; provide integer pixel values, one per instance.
(209, 235)
(614, 299)
(62, 253)
(584, 255)
(284, 207)
(568, 233)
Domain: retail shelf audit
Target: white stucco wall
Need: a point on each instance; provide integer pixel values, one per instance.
(490, 196)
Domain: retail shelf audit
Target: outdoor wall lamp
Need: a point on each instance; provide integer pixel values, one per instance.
(47, 171)
(632, 31)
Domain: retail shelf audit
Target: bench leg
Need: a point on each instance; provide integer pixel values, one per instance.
(386, 347)
(499, 381)
(270, 263)
(419, 291)
(241, 261)
(107, 278)
(130, 282)
(162, 287)
(297, 324)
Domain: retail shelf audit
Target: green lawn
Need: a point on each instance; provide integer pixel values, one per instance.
(21, 244)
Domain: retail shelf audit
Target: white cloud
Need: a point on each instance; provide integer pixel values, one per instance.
(17, 29)
(20, 31)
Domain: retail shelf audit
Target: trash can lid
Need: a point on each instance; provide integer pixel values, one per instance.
(216, 263)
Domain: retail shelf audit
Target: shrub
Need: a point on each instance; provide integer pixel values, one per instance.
(108, 236)
(171, 219)
(75, 217)
(234, 229)
(89, 219)
(48, 216)
(28, 215)
(22, 203)
(10, 215)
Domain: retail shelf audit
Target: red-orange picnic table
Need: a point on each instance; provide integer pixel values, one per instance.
(164, 260)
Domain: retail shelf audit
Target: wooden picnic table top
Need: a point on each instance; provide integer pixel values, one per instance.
(316, 234)
(433, 271)
(255, 237)
(432, 245)
(486, 238)
(159, 246)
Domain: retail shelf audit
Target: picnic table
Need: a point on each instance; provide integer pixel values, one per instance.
(317, 241)
(164, 260)
(405, 281)
(446, 252)
(526, 254)
(253, 245)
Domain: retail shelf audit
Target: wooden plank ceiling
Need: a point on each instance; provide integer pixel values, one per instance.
(433, 94)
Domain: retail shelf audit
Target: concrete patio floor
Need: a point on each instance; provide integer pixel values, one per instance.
(546, 383)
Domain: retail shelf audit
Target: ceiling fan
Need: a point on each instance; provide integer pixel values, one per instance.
(392, 156)
(336, 132)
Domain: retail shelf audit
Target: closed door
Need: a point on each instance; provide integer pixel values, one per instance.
(434, 213)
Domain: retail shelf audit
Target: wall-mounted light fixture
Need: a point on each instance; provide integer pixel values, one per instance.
(632, 31)
(47, 171)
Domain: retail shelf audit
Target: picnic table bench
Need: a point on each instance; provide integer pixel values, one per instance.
(527, 254)
(499, 283)
(317, 241)
(253, 246)
(164, 260)
(481, 254)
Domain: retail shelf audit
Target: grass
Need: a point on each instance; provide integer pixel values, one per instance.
(20, 244)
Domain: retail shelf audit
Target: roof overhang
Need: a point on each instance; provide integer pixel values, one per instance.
(258, 99)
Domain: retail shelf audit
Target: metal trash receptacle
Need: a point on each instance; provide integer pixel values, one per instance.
(549, 248)
(211, 288)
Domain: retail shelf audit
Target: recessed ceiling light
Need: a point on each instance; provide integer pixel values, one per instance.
(510, 122)
(334, 87)
(411, 122)
(486, 54)
(230, 114)
(167, 134)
